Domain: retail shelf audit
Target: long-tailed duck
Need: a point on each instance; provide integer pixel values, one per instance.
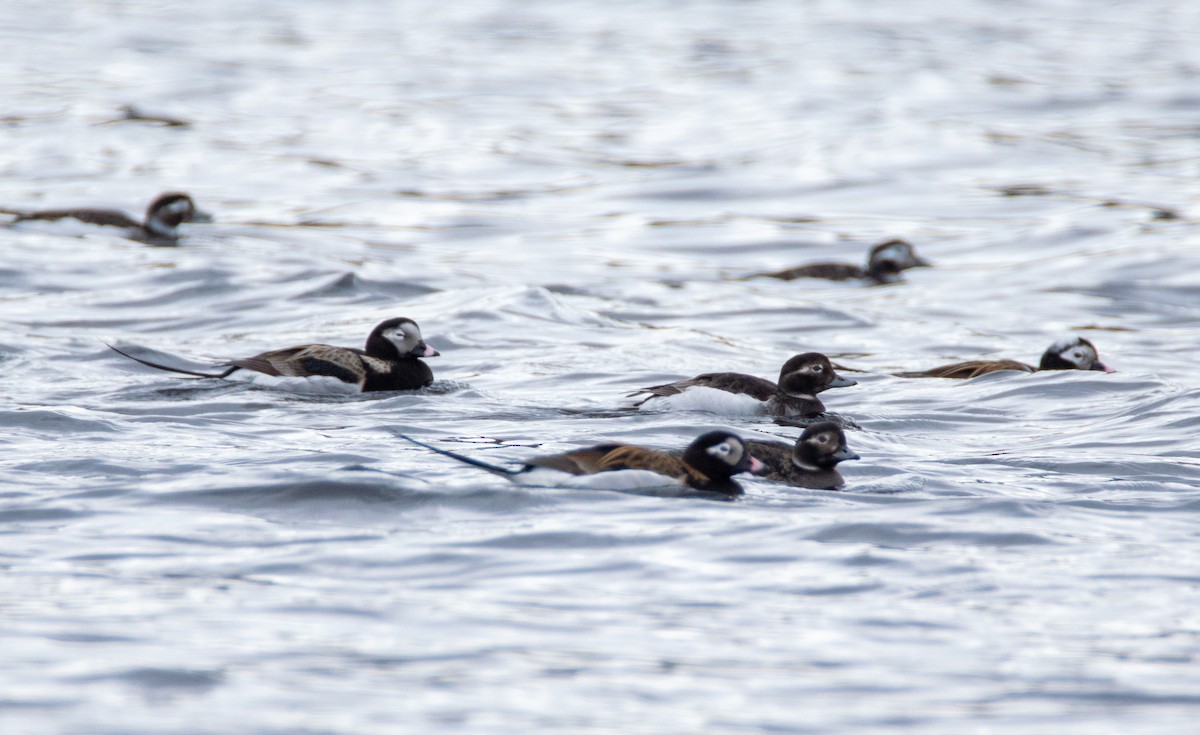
(884, 264)
(795, 396)
(707, 465)
(389, 362)
(163, 217)
(811, 462)
(1071, 353)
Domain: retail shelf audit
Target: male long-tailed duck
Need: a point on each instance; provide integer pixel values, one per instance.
(794, 396)
(884, 264)
(1071, 353)
(163, 217)
(391, 360)
(811, 462)
(707, 465)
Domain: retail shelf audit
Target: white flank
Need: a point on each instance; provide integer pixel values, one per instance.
(615, 480)
(710, 400)
(317, 385)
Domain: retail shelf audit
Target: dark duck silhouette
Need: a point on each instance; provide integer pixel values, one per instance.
(706, 466)
(1073, 353)
(795, 395)
(391, 360)
(885, 262)
(810, 462)
(161, 226)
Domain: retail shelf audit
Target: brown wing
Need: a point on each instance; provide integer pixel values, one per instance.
(614, 457)
(91, 216)
(828, 271)
(759, 388)
(751, 385)
(628, 457)
(577, 461)
(969, 369)
(308, 360)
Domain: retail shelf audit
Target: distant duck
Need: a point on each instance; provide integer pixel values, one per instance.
(389, 362)
(795, 395)
(1072, 353)
(163, 217)
(884, 264)
(707, 465)
(811, 462)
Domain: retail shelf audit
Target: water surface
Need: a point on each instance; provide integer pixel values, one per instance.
(564, 195)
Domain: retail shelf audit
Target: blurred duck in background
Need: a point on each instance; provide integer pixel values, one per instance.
(884, 265)
(161, 226)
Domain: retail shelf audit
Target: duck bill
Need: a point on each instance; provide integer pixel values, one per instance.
(201, 216)
(844, 453)
(423, 350)
(756, 467)
(921, 263)
(840, 382)
(1102, 368)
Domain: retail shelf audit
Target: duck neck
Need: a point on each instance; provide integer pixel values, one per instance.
(725, 486)
(159, 228)
(803, 460)
(798, 402)
(885, 272)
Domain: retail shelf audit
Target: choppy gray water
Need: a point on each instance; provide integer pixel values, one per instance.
(559, 193)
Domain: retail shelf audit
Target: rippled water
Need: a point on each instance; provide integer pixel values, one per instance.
(563, 195)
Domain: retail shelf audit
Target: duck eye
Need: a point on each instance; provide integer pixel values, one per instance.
(816, 368)
(1078, 355)
(721, 449)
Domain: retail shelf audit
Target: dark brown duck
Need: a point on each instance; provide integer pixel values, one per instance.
(810, 462)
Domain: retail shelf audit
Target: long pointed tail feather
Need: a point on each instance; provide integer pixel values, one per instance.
(168, 368)
(494, 469)
(639, 392)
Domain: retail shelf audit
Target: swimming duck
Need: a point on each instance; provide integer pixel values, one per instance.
(707, 465)
(1071, 353)
(389, 362)
(811, 462)
(800, 379)
(884, 264)
(163, 217)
